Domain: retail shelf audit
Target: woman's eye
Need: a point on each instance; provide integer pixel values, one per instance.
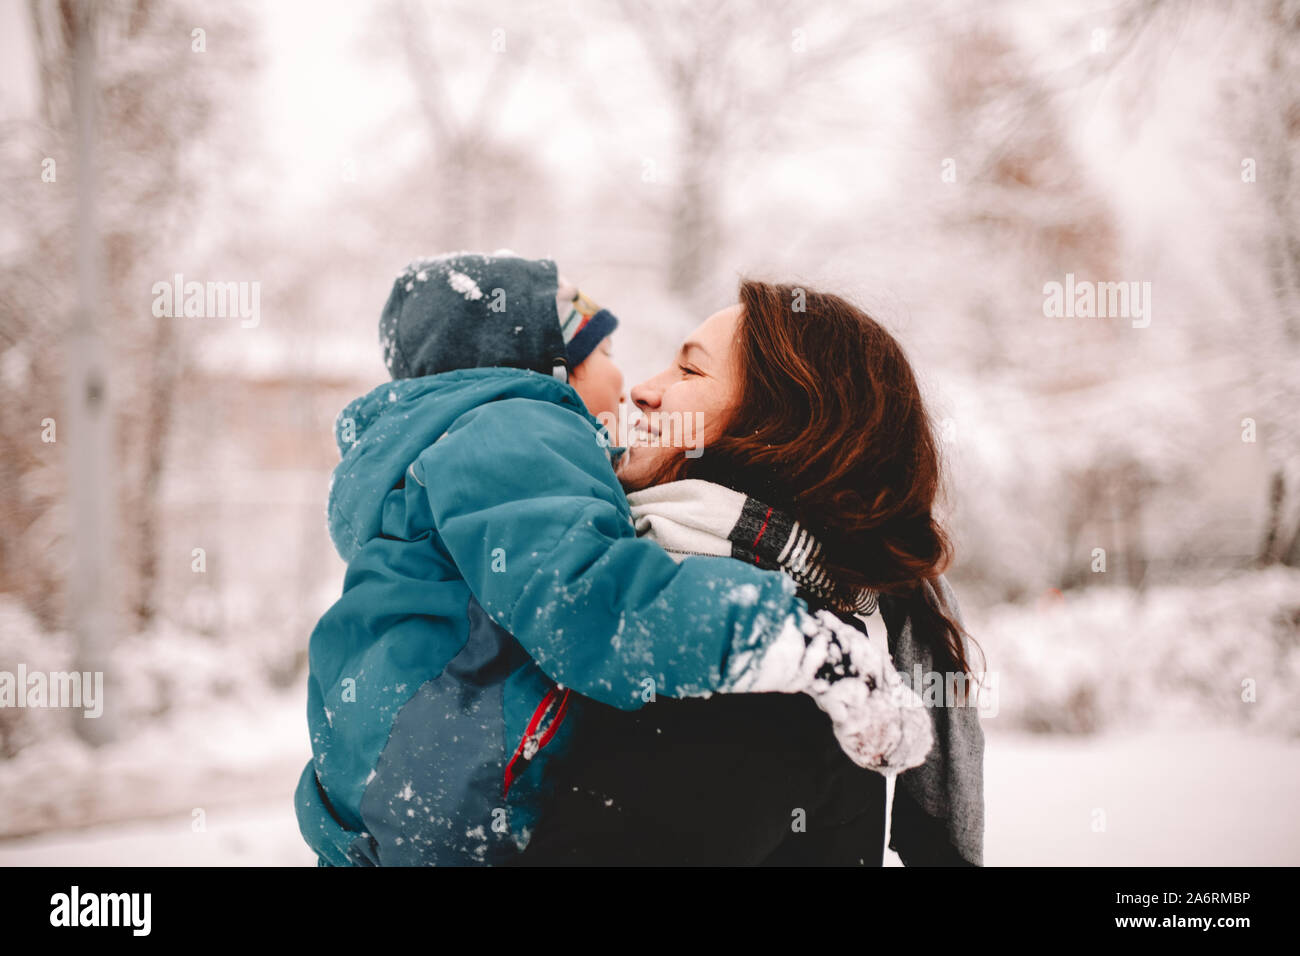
(688, 371)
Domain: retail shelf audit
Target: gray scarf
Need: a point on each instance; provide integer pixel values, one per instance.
(937, 814)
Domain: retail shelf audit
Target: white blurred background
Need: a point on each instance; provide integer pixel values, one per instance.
(938, 164)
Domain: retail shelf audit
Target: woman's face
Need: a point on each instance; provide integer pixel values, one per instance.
(687, 403)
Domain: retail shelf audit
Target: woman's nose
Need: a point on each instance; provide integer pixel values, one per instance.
(645, 394)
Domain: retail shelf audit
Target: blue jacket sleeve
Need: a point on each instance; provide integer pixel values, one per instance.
(527, 504)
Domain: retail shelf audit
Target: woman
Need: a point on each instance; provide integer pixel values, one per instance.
(816, 455)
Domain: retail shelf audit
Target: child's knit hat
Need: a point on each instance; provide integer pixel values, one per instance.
(583, 323)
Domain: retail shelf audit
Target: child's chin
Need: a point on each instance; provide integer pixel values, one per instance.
(630, 473)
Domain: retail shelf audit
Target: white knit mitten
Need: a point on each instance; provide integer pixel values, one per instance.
(879, 722)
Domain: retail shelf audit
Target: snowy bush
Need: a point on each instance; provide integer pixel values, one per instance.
(1114, 658)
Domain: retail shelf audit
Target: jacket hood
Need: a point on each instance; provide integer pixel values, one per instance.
(381, 433)
(469, 310)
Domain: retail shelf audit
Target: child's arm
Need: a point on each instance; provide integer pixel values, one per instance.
(527, 504)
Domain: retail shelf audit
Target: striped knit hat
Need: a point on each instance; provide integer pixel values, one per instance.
(583, 323)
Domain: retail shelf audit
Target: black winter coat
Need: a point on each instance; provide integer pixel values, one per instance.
(732, 780)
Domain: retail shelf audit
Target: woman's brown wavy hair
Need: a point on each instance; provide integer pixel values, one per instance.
(829, 425)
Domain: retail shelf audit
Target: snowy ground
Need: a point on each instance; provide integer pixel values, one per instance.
(1189, 798)
(1168, 797)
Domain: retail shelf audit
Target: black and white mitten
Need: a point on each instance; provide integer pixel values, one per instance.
(879, 721)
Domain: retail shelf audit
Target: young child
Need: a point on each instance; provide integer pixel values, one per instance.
(493, 568)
